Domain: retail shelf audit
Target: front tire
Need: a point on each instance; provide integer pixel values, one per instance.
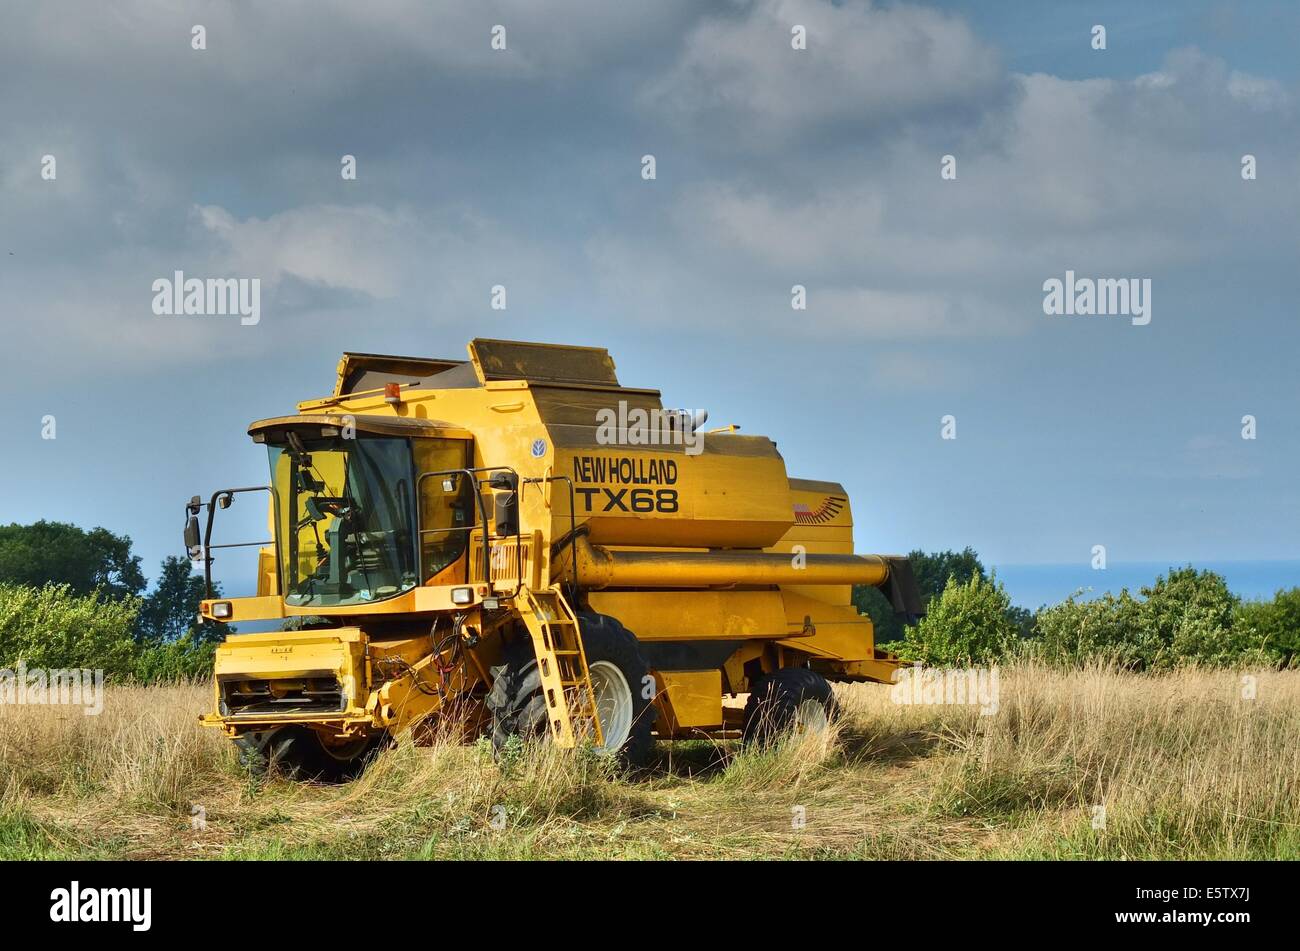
(618, 676)
(299, 752)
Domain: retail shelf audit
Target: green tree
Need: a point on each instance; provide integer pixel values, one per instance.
(170, 611)
(969, 623)
(1025, 620)
(61, 554)
(1187, 615)
(932, 571)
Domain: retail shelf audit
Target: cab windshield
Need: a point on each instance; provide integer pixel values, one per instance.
(345, 514)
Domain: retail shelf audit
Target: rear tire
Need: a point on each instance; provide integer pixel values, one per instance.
(792, 700)
(618, 675)
(299, 752)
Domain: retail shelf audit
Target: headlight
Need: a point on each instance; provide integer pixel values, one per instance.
(221, 609)
(462, 595)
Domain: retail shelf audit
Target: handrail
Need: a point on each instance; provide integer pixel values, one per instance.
(573, 524)
(471, 474)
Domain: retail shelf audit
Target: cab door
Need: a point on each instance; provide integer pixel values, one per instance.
(448, 512)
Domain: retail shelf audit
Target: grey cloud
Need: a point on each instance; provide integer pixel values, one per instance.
(1095, 175)
(226, 162)
(738, 76)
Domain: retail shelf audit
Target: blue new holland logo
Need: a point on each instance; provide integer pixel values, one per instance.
(539, 448)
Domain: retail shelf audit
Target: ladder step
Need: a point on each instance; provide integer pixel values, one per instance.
(555, 633)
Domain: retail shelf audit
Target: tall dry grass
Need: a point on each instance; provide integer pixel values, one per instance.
(145, 748)
(1190, 763)
(1184, 764)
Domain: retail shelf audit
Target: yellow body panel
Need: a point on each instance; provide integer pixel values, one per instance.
(840, 633)
(289, 653)
(694, 615)
(288, 657)
(689, 699)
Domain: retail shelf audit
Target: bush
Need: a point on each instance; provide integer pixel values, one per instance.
(1103, 629)
(187, 658)
(1186, 617)
(54, 628)
(969, 623)
(932, 571)
(1272, 626)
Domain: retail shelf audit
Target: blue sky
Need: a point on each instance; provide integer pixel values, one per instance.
(774, 167)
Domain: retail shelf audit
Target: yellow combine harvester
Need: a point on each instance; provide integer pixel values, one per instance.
(518, 543)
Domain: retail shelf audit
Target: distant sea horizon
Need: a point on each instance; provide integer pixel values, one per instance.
(1032, 586)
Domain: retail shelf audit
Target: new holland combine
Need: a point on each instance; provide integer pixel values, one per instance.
(517, 544)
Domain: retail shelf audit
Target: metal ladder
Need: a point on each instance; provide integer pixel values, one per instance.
(562, 664)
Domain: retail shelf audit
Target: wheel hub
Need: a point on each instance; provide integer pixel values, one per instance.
(613, 704)
(810, 718)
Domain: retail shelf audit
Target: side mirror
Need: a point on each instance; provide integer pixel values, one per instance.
(505, 503)
(193, 543)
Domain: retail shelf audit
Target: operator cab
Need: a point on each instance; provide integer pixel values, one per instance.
(367, 508)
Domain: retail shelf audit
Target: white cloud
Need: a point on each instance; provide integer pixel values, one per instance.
(357, 248)
(863, 64)
(1053, 173)
(1092, 175)
(868, 313)
(283, 42)
(1262, 95)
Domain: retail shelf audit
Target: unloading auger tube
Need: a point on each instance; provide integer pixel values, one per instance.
(600, 567)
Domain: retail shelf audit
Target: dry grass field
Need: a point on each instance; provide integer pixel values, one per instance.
(1184, 764)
